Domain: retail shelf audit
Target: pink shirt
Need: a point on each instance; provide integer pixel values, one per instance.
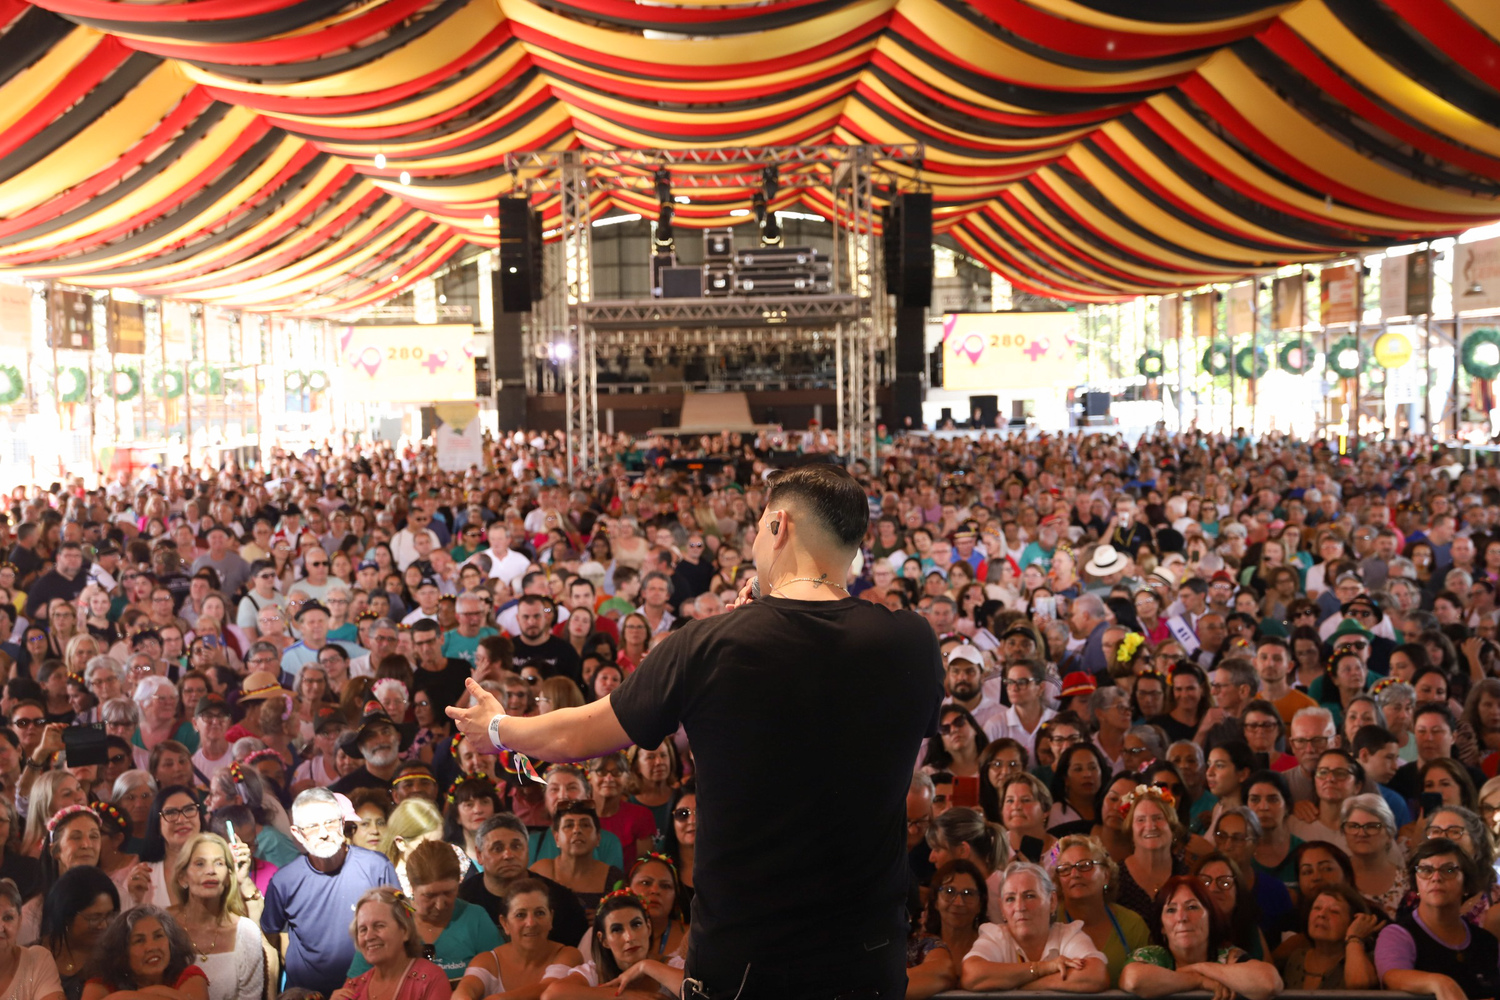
(423, 981)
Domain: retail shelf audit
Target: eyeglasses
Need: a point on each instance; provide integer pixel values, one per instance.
(179, 812)
(1317, 742)
(1357, 646)
(1428, 873)
(117, 758)
(1336, 773)
(1081, 867)
(1004, 765)
(948, 892)
(1446, 832)
(28, 723)
(1222, 882)
(1137, 751)
(1019, 682)
(949, 728)
(682, 815)
(1232, 838)
(1259, 725)
(331, 826)
(1370, 829)
(1065, 738)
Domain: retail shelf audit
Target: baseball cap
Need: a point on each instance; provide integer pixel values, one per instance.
(968, 653)
(1079, 682)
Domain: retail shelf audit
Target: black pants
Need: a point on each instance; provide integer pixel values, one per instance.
(876, 974)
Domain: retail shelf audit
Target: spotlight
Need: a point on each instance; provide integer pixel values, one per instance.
(770, 231)
(664, 243)
(562, 351)
(405, 177)
(663, 180)
(770, 181)
(379, 161)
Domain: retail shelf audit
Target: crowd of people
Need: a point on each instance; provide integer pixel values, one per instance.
(1221, 714)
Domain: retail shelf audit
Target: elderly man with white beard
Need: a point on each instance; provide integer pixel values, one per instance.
(309, 901)
(379, 743)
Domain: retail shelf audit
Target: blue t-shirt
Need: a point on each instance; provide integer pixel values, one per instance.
(315, 911)
(469, 932)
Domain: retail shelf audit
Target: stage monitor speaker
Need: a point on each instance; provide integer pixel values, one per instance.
(518, 280)
(1096, 404)
(987, 408)
(682, 282)
(913, 245)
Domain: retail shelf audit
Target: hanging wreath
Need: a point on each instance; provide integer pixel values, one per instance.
(168, 383)
(1345, 359)
(80, 390)
(295, 381)
(133, 387)
(207, 381)
(1151, 364)
(1251, 362)
(1217, 359)
(12, 385)
(1478, 346)
(1296, 357)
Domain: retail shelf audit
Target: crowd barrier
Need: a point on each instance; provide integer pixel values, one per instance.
(1197, 995)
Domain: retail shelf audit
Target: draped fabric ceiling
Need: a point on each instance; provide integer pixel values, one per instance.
(226, 150)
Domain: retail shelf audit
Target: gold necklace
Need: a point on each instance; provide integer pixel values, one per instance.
(816, 581)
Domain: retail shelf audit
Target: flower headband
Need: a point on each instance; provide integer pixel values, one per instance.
(466, 779)
(659, 858)
(265, 753)
(623, 893)
(1140, 792)
(116, 818)
(67, 813)
(388, 684)
(1128, 646)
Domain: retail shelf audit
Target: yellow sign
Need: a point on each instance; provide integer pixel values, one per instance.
(1009, 350)
(1392, 350)
(408, 364)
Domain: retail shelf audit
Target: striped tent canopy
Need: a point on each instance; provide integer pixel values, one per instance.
(250, 153)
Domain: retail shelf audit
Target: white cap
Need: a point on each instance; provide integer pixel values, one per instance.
(966, 652)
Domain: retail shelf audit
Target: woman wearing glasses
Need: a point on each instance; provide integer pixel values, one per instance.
(78, 908)
(1076, 781)
(1030, 950)
(1087, 879)
(175, 818)
(1337, 777)
(1433, 935)
(680, 838)
(1369, 828)
(956, 749)
(1000, 759)
(957, 903)
(1465, 829)
(1221, 877)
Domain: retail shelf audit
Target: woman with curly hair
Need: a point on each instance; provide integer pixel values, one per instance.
(621, 955)
(1157, 831)
(385, 934)
(144, 949)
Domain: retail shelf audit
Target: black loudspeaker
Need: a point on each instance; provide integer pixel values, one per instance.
(906, 395)
(682, 282)
(508, 371)
(911, 348)
(518, 281)
(983, 410)
(907, 244)
(935, 368)
(1096, 404)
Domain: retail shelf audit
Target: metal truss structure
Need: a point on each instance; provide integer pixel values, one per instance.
(856, 318)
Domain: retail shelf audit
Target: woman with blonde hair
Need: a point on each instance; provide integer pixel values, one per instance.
(53, 791)
(410, 823)
(385, 934)
(1157, 832)
(558, 692)
(1087, 879)
(217, 904)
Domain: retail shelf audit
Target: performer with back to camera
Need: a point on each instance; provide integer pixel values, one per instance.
(806, 900)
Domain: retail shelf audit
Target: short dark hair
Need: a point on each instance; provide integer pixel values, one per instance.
(829, 494)
(73, 892)
(1372, 739)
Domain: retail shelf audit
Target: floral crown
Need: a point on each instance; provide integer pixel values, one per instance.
(623, 893)
(1140, 792)
(265, 753)
(1128, 646)
(67, 813)
(659, 858)
(468, 779)
(112, 813)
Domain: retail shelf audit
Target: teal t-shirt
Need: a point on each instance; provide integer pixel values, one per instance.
(186, 735)
(470, 932)
(608, 851)
(458, 647)
(347, 632)
(275, 847)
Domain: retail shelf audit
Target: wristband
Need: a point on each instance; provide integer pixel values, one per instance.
(495, 730)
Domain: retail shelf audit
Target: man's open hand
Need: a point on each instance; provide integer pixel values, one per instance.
(474, 721)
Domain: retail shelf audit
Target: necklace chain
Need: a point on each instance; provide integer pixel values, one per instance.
(817, 582)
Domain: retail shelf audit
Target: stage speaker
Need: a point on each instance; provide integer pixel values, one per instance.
(935, 367)
(1096, 404)
(911, 335)
(906, 396)
(518, 281)
(983, 410)
(907, 245)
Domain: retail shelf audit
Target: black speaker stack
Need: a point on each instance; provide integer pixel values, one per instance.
(907, 245)
(517, 285)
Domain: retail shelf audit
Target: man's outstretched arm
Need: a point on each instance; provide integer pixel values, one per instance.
(567, 734)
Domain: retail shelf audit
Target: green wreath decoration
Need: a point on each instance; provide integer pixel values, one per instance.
(80, 390)
(317, 381)
(15, 384)
(1217, 359)
(207, 381)
(1473, 344)
(114, 384)
(1336, 358)
(1251, 362)
(168, 383)
(1151, 364)
(295, 381)
(1308, 356)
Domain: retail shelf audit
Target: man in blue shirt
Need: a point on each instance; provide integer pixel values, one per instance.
(310, 902)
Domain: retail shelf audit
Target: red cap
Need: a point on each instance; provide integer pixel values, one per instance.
(1079, 682)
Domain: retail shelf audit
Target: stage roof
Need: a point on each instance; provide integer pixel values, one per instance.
(226, 150)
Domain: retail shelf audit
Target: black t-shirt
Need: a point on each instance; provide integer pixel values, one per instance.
(357, 779)
(446, 686)
(51, 585)
(569, 924)
(25, 560)
(792, 873)
(555, 657)
(690, 579)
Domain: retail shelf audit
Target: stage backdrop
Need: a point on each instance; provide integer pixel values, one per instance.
(408, 364)
(1009, 350)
